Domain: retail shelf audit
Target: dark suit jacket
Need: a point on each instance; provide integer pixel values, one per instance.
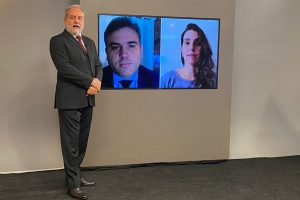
(75, 70)
(146, 78)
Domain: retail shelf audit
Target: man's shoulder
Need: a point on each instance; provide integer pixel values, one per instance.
(107, 81)
(107, 69)
(147, 73)
(147, 78)
(56, 36)
(87, 39)
(145, 70)
(61, 36)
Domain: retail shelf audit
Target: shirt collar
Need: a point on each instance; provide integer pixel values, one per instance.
(118, 78)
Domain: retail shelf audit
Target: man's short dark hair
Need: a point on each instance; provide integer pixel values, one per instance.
(121, 22)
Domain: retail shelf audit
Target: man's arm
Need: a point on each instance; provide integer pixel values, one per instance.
(96, 83)
(98, 65)
(98, 69)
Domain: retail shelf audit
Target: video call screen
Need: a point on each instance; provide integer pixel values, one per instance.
(149, 52)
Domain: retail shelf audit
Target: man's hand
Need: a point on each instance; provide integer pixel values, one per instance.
(94, 88)
(96, 84)
(92, 91)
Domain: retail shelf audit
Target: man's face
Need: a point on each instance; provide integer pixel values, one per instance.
(74, 21)
(124, 51)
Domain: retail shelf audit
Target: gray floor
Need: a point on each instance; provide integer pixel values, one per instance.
(257, 179)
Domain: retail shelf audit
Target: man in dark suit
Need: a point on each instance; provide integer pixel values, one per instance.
(79, 74)
(122, 39)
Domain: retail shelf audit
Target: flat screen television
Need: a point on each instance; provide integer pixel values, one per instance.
(152, 52)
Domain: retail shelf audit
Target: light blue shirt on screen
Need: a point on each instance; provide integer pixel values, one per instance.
(173, 80)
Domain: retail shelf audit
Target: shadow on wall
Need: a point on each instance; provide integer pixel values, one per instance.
(28, 122)
(278, 132)
(31, 122)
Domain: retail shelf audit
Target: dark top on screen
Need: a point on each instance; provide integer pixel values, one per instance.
(146, 78)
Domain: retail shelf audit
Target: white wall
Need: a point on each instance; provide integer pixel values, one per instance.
(28, 123)
(129, 126)
(265, 90)
(265, 112)
(163, 125)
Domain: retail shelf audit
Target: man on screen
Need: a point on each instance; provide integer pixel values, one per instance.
(122, 39)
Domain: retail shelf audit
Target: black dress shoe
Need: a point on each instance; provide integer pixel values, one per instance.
(84, 182)
(77, 193)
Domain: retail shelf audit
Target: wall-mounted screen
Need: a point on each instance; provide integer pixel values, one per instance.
(150, 52)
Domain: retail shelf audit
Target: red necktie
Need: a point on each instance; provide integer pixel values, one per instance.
(78, 37)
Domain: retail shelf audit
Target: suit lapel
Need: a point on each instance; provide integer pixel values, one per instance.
(67, 34)
(88, 52)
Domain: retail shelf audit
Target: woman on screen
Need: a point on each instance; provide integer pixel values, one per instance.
(198, 66)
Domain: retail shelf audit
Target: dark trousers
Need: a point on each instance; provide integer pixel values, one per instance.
(74, 133)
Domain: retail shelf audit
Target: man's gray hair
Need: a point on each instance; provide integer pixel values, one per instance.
(71, 7)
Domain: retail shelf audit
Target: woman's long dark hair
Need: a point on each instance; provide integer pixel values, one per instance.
(205, 77)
